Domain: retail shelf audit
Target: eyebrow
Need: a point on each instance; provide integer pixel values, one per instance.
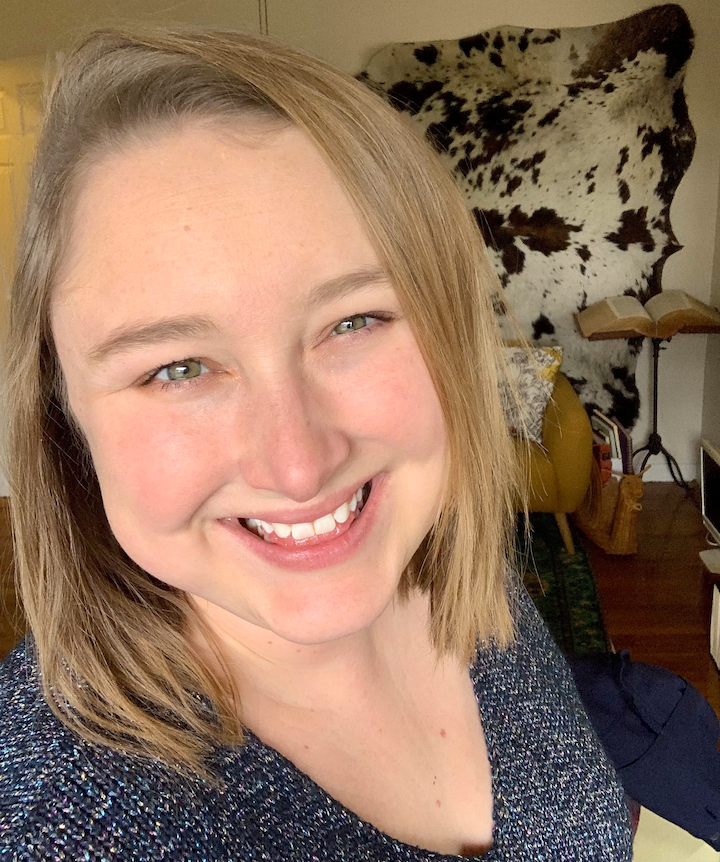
(137, 335)
(196, 326)
(342, 285)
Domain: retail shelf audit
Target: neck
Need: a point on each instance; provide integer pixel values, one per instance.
(271, 670)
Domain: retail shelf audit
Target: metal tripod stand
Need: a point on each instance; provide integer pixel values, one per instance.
(654, 444)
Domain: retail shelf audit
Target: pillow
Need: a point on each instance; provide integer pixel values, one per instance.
(530, 381)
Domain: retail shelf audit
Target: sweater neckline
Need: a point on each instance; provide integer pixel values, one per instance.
(404, 851)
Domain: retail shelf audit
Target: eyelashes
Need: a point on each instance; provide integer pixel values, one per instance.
(187, 365)
(185, 369)
(382, 316)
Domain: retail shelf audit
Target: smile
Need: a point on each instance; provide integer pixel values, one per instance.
(320, 550)
(327, 527)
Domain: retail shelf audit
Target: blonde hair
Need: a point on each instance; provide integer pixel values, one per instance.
(111, 641)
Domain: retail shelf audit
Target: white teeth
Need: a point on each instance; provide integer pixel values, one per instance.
(325, 524)
(342, 513)
(302, 531)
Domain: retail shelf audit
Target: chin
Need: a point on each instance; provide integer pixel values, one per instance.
(316, 617)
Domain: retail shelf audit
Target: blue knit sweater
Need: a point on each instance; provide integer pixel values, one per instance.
(556, 797)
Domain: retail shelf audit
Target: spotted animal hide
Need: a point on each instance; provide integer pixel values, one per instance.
(569, 146)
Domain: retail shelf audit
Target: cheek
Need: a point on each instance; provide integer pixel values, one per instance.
(153, 468)
(393, 400)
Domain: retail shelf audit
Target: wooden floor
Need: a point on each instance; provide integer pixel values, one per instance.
(656, 603)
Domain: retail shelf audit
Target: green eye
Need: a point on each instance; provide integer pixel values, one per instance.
(178, 371)
(348, 325)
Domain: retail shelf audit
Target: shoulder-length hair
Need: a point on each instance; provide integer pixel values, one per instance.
(111, 641)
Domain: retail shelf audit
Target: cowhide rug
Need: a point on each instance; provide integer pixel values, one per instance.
(568, 145)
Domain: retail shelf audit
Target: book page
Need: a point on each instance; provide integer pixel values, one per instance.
(679, 312)
(705, 312)
(614, 317)
(667, 301)
(626, 306)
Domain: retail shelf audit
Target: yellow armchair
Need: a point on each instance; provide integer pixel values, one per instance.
(557, 474)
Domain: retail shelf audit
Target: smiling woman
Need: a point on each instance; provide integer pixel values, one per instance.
(263, 494)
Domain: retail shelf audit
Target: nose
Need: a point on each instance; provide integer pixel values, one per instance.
(292, 443)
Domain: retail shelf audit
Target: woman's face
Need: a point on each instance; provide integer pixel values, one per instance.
(233, 351)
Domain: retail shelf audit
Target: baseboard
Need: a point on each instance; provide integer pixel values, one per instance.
(660, 472)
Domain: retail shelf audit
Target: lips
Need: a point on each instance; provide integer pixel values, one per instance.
(321, 551)
(323, 529)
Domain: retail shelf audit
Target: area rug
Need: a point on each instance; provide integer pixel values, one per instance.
(562, 587)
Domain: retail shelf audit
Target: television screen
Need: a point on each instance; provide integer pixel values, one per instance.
(710, 488)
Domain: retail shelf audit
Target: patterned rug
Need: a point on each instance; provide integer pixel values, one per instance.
(562, 587)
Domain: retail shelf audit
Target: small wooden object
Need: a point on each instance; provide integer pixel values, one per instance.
(608, 514)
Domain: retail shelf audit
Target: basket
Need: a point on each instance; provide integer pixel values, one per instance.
(609, 513)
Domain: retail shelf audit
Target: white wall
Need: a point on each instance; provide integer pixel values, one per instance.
(346, 32)
(711, 404)
(694, 216)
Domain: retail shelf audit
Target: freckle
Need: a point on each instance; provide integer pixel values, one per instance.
(270, 642)
(307, 747)
(187, 227)
(438, 803)
(442, 732)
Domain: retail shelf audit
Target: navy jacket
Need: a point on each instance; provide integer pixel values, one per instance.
(660, 734)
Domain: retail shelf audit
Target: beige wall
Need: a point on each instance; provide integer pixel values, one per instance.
(346, 32)
(37, 26)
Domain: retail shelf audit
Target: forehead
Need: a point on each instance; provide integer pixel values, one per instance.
(208, 205)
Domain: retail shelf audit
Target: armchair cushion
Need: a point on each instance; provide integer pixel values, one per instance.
(557, 473)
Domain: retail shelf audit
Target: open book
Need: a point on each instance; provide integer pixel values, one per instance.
(663, 316)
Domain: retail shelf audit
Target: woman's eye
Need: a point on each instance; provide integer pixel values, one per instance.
(352, 324)
(360, 321)
(177, 372)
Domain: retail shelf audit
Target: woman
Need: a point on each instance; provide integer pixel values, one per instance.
(263, 493)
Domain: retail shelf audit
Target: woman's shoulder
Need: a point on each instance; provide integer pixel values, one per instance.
(62, 797)
(548, 764)
(532, 656)
(22, 707)
(34, 747)
(528, 674)
(26, 720)
(28, 738)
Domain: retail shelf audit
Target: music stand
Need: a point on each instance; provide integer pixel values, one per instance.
(654, 444)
